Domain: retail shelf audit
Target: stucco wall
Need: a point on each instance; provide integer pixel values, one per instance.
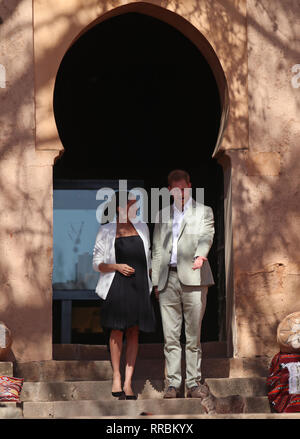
(257, 51)
(25, 195)
(265, 181)
(222, 23)
(219, 24)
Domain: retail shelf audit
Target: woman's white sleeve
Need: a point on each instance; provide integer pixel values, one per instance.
(98, 252)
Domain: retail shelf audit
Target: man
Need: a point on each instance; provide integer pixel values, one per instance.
(181, 276)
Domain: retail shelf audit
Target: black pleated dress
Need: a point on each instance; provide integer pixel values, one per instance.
(128, 300)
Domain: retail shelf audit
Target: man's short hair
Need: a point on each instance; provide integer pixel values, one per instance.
(178, 174)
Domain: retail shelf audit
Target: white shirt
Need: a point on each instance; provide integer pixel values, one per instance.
(177, 220)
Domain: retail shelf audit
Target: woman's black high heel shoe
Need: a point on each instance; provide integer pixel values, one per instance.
(131, 397)
(118, 394)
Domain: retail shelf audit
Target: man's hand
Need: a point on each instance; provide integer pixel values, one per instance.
(156, 293)
(198, 262)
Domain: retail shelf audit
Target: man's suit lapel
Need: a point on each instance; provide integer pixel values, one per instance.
(186, 216)
(168, 235)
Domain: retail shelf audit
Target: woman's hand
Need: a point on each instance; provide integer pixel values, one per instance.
(125, 269)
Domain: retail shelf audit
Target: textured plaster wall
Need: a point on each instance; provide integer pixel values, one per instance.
(25, 195)
(265, 182)
(256, 43)
(222, 23)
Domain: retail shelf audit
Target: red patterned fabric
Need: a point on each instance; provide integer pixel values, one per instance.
(279, 384)
(10, 388)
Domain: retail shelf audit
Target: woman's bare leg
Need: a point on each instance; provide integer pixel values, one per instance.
(132, 339)
(115, 344)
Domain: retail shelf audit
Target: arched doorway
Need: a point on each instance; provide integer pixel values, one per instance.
(135, 98)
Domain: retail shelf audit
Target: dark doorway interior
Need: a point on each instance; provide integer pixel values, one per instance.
(134, 99)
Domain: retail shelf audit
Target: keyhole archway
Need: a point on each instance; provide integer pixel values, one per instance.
(135, 98)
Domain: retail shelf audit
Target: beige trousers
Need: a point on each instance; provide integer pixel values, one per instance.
(178, 301)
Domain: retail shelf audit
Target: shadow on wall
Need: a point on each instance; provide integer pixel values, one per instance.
(264, 224)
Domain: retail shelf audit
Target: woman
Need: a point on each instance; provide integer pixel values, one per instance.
(122, 256)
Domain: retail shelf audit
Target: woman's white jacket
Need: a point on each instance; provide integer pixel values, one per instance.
(104, 251)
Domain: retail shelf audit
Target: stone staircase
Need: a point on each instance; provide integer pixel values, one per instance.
(77, 384)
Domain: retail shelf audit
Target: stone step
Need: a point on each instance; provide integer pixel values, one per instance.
(86, 390)
(155, 418)
(222, 387)
(10, 410)
(187, 406)
(57, 371)
(6, 368)
(72, 370)
(213, 349)
(145, 389)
